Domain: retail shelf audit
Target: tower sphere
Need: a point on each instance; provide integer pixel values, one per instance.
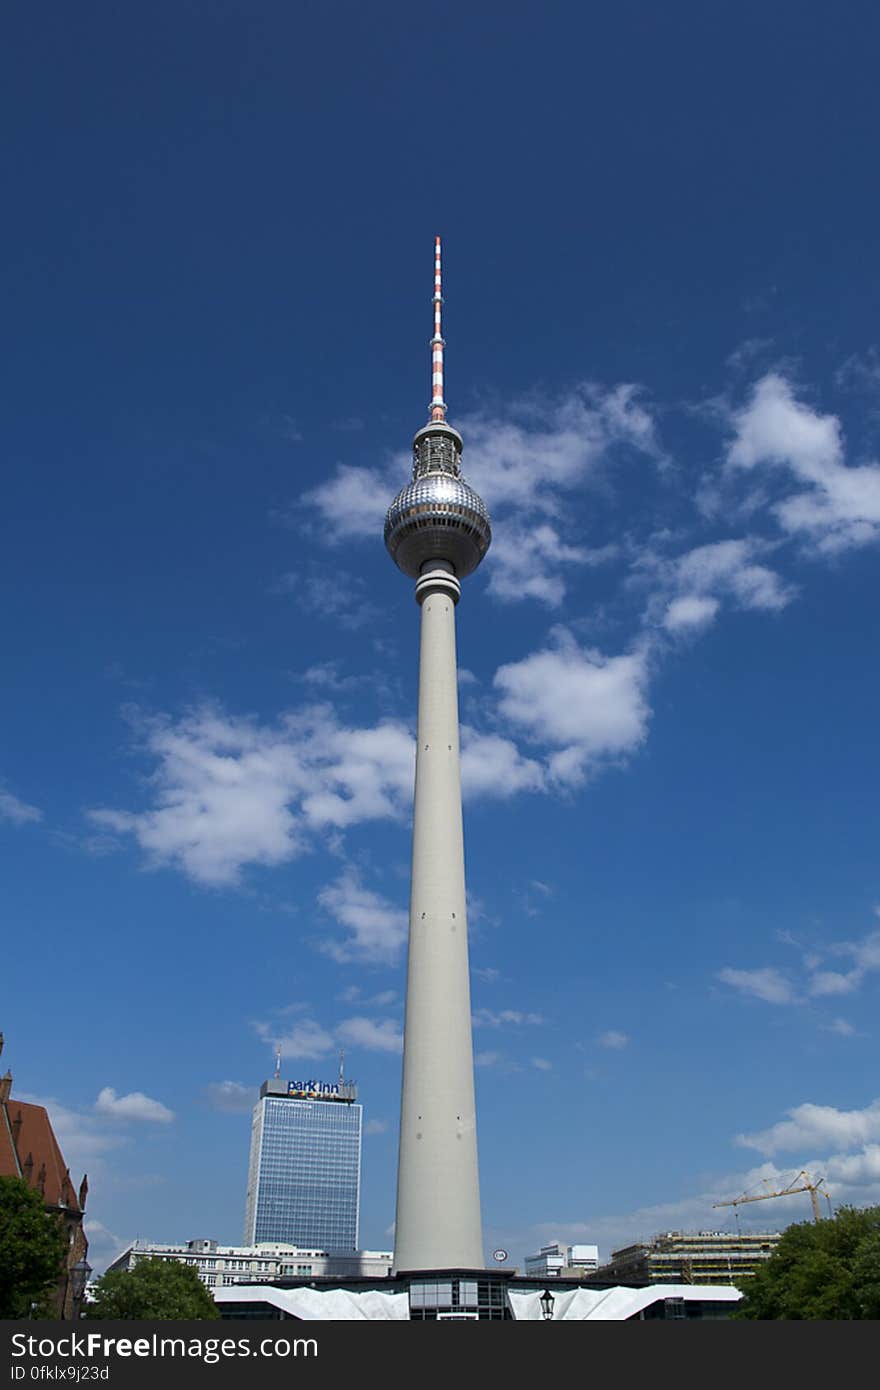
(437, 516)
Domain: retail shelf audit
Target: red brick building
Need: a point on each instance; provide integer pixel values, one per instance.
(29, 1150)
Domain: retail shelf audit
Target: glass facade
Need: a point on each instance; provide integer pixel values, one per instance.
(445, 1299)
(304, 1176)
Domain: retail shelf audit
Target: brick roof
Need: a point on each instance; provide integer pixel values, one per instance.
(29, 1150)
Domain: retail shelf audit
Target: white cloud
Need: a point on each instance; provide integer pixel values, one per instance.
(83, 1138)
(855, 1170)
(817, 1126)
(524, 458)
(134, 1106)
(776, 428)
(865, 953)
(333, 593)
(690, 612)
(833, 982)
(383, 998)
(230, 792)
(542, 1064)
(728, 566)
(231, 1097)
(488, 1058)
(866, 957)
(840, 506)
(702, 577)
(591, 707)
(305, 1041)
(378, 928)
(767, 983)
(526, 561)
(353, 502)
(841, 1027)
(376, 1127)
(493, 766)
(613, 1039)
(104, 1246)
(376, 1035)
(15, 811)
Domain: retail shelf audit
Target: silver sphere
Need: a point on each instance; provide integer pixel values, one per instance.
(437, 517)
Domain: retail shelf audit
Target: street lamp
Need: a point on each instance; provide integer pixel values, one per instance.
(547, 1300)
(79, 1277)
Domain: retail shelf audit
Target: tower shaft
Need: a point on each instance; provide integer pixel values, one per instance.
(438, 1192)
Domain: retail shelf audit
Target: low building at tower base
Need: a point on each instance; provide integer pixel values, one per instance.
(458, 1295)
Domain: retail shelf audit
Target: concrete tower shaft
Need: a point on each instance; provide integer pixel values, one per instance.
(437, 531)
(438, 1192)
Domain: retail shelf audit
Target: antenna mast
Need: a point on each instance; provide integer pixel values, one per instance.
(277, 1061)
(438, 405)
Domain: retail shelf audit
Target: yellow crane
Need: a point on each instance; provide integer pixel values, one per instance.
(806, 1185)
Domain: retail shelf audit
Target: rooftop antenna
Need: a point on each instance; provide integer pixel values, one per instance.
(342, 1067)
(277, 1061)
(438, 405)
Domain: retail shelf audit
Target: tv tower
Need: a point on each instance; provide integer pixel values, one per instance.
(437, 531)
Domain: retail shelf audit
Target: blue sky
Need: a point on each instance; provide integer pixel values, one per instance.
(661, 315)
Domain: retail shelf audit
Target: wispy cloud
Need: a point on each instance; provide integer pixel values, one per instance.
(614, 1040)
(488, 1058)
(231, 1097)
(15, 811)
(688, 591)
(375, 1035)
(487, 1018)
(766, 983)
(377, 928)
(841, 1027)
(305, 1041)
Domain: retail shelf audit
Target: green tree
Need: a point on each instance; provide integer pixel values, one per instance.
(155, 1288)
(32, 1251)
(821, 1269)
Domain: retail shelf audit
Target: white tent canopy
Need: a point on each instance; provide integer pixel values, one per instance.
(614, 1305)
(316, 1305)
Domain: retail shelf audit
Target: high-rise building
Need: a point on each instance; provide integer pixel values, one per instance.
(437, 532)
(304, 1175)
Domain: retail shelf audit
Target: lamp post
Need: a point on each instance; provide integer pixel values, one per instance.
(547, 1300)
(79, 1277)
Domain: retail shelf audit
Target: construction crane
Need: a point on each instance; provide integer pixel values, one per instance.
(806, 1185)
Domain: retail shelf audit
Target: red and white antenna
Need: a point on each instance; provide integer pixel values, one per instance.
(438, 405)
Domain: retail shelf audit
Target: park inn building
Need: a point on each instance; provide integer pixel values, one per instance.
(304, 1173)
